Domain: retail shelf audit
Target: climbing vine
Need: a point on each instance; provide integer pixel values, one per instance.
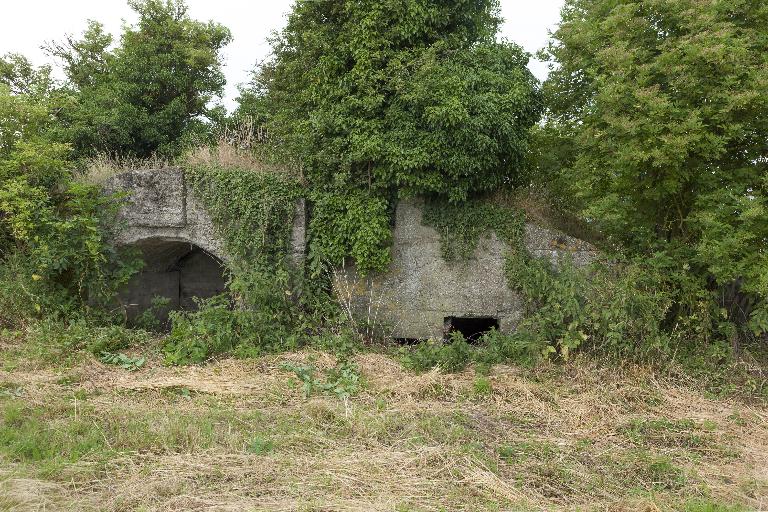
(253, 211)
(461, 225)
(354, 224)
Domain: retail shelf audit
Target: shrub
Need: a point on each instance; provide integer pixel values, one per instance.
(450, 356)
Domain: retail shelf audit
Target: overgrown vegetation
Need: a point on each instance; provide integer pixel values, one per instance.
(383, 100)
(656, 122)
(654, 140)
(365, 104)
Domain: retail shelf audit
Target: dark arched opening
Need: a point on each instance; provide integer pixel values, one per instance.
(175, 274)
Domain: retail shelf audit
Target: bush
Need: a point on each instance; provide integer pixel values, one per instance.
(258, 315)
(450, 356)
(619, 307)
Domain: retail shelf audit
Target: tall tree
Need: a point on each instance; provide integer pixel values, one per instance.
(144, 95)
(664, 107)
(379, 99)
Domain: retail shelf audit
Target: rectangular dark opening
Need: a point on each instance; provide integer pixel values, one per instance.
(472, 328)
(408, 341)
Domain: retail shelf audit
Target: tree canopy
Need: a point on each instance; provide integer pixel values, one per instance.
(149, 91)
(386, 99)
(663, 106)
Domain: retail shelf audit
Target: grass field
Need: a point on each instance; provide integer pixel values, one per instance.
(241, 435)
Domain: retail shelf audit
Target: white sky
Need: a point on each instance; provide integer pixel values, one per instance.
(26, 24)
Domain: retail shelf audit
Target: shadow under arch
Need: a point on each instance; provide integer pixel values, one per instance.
(176, 270)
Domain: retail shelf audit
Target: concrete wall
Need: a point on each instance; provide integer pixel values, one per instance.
(160, 205)
(182, 251)
(412, 300)
(421, 289)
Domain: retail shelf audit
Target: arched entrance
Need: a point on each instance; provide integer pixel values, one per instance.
(176, 271)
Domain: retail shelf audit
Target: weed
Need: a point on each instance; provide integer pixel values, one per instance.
(11, 390)
(482, 387)
(523, 450)
(125, 362)
(260, 446)
(341, 381)
(450, 356)
(149, 319)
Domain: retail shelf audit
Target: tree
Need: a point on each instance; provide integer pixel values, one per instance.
(151, 90)
(386, 99)
(21, 77)
(56, 253)
(663, 105)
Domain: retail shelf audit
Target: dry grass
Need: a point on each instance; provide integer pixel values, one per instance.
(239, 145)
(102, 167)
(581, 437)
(227, 155)
(539, 209)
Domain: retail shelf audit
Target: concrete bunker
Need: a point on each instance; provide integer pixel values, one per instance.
(176, 270)
(423, 296)
(409, 302)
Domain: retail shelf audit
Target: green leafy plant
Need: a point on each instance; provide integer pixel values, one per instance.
(149, 319)
(450, 356)
(260, 446)
(54, 232)
(125, 362)
(658, 118)
(461, 225)
(341, 381)
(377, 101)
(150, 92)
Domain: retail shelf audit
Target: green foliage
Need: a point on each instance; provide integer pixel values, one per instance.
(450, 356)
(380, 100)
(341, 381)
(55, 342)
(482, 387)
(252, 210)
(148, 93)
(354, 224)
(26, 436)
(125, 362)
(261, 446)
(461, 225)
(618, 310)
(455, 353)
(701, 505)
(23, 79)
(149, 319)
(265, 319)
(662, 111)
(54, 232)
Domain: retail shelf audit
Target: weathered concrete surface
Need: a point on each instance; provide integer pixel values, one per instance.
(421, 289)
(161, 206)
(182, 251)
(164, 219)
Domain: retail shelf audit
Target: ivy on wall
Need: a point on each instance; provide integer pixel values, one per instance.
(461, 225)
(252, 210)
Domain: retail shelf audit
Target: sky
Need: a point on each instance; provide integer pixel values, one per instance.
(26, 25)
